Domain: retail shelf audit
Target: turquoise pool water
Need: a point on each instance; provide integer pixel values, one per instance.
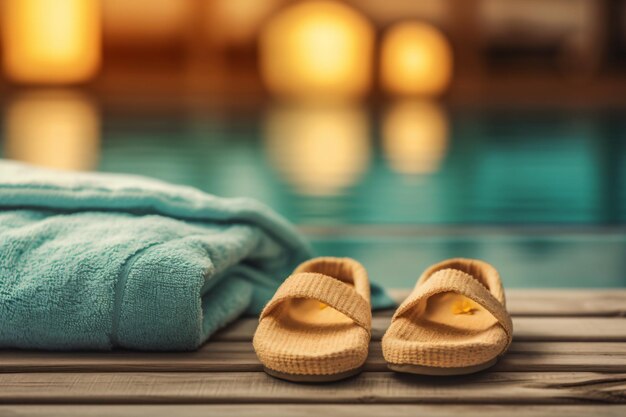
(540, 193)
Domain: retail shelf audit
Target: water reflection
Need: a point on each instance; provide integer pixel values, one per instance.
(483, 178)
(319, 150)
(565, 260)
(52, 128)
(415, 136)
(539, 168)
(325, 165)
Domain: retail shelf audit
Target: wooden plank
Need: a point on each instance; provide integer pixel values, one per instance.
(257, 387)
(212, 356)
(584, 329)
(311, 410)
(555, 302)
(240, 357)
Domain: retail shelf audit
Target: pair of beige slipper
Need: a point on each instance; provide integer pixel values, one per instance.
(317, 327)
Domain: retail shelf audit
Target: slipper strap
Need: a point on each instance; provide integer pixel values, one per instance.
(454, 280)
(327, 290)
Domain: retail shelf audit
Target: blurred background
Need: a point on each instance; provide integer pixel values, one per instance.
(398, 132)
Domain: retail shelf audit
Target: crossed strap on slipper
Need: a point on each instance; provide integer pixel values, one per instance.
(454, 322)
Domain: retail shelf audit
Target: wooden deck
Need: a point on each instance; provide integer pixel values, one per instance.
(568, 358)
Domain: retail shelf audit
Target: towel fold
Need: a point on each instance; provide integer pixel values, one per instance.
(97, 261)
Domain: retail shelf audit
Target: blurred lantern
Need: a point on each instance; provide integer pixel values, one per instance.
(317, 49)
(416, 59)
(415, 136)
(57, 129)
(51, 41)
(320, 150)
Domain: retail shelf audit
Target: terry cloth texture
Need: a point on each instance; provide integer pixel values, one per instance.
(97, 261)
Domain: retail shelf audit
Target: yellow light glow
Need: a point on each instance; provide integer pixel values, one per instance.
(51, 41)
(415, 136)
(56, 129)
(319, 150)
(317, 49)
(416, 59)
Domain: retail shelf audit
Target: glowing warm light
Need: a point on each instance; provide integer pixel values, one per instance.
(317, 49)
(415, 136)
(319, 150)
(416, 59)
(51, 41)
(57, 129)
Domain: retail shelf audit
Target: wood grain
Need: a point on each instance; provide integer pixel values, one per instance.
(257, 387)
(311, 410)
(575, 329)
(240, 357)
(568, 358)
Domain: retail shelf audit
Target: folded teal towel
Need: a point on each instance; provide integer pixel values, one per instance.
(96, 261)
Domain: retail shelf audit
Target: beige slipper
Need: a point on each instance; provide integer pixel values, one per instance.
(317, 326)
(453, 323)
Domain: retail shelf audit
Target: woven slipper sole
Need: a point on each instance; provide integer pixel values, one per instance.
(435, 371)
(313, 378)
